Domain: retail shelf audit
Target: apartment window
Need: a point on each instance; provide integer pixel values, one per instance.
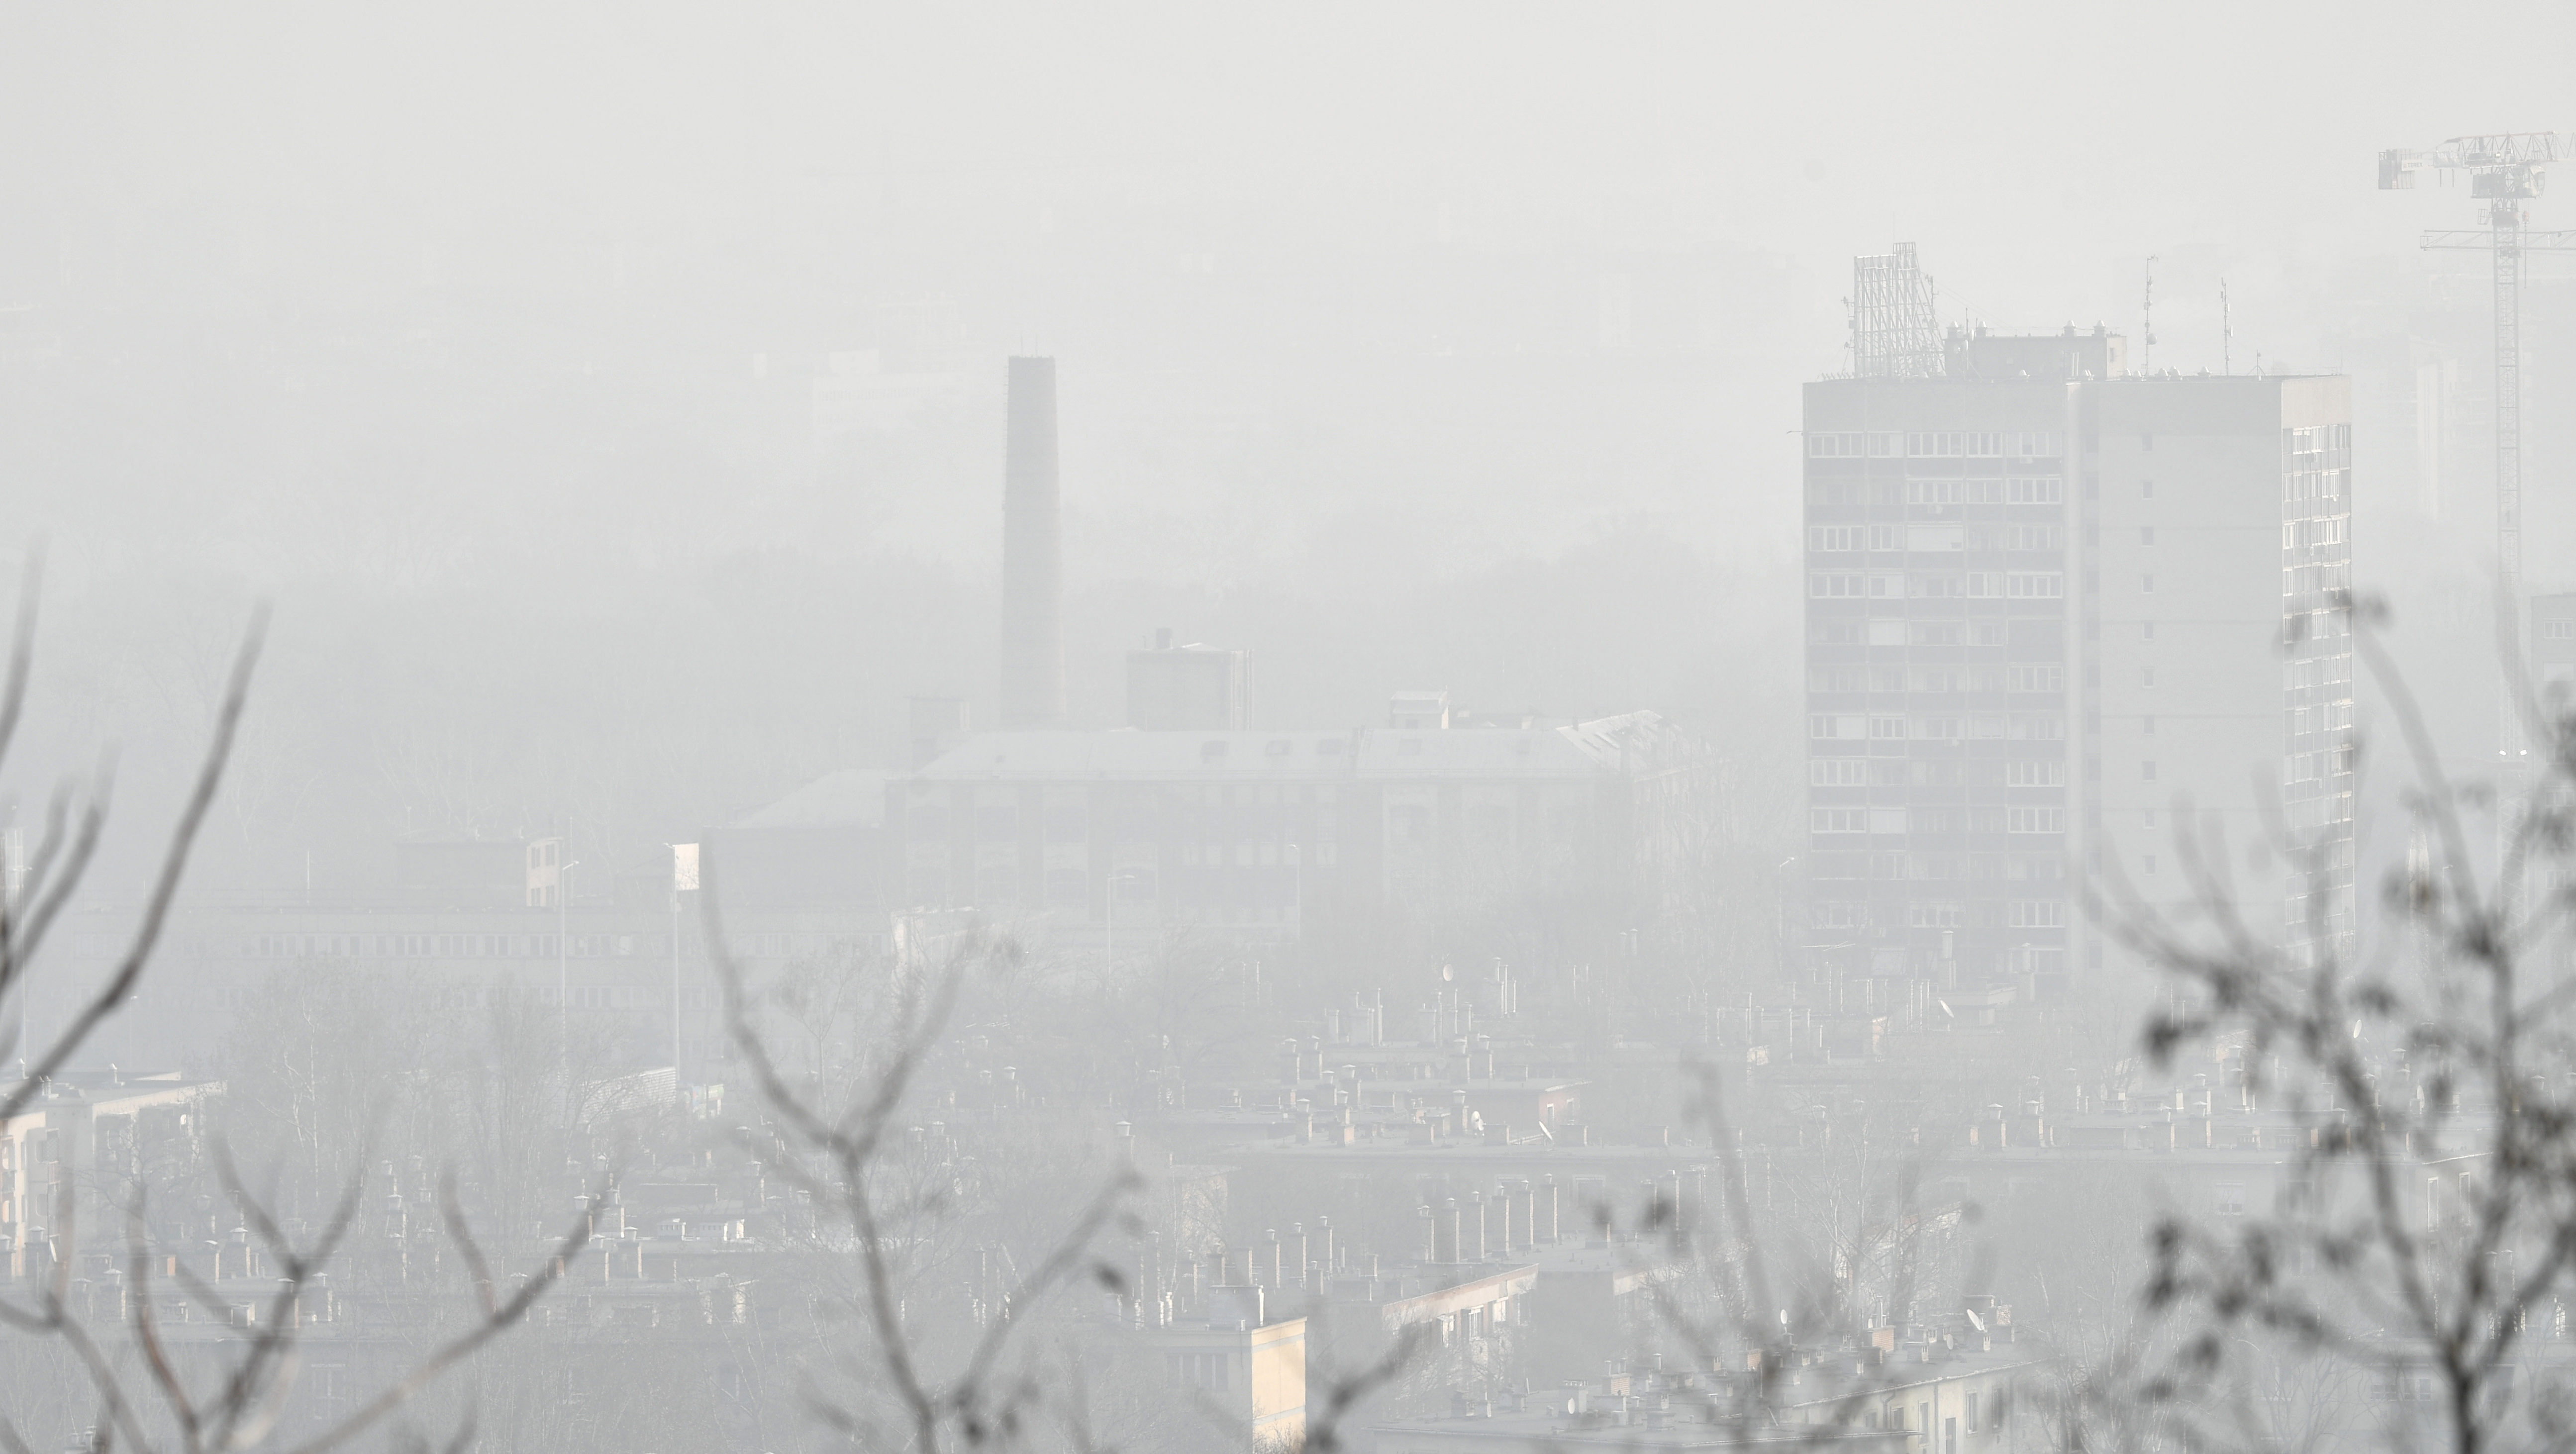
(2035, 774)
(2035, 678)
(2150, 863)
(1972, 1413)
(2146, 442)
(2035, 820)
(2146, 676)
(2146, 630)
(1838, 820)
(2147, 770)
(2147, 488)
(2147, 725)
(1838, 772)
(1834, 537)
(2146, 535)
(2560, 630)
(1885, 537)
(2231, 1199)
(2147, 584)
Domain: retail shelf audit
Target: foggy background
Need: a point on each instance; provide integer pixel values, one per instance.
(609, 397)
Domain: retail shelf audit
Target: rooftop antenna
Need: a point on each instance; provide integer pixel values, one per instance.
(2505, 171)
(2147, 325)
(2226, 332)
(1896, 330)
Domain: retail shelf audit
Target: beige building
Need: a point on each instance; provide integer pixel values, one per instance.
(1251, 1372)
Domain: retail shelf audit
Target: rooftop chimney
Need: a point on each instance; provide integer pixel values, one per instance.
(1032, 554)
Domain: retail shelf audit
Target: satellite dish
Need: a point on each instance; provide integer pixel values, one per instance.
(1444, 974)
(1976, 1322)
(1945, 1009)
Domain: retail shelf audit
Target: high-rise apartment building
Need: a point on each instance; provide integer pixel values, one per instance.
(2068, 625)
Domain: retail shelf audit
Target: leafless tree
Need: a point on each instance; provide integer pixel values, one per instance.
(928, 1349)
(228, 1393)
(2428, 1218)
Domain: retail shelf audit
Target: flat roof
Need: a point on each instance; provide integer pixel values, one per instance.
(1586, 750)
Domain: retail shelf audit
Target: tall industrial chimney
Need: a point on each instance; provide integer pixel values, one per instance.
(1032, 554)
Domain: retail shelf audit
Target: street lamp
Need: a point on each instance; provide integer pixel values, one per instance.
(563, 977)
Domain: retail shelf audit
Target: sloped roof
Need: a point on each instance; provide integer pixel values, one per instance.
(853, 797)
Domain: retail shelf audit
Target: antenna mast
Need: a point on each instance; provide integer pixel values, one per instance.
(2147, 325)
(2226, 333)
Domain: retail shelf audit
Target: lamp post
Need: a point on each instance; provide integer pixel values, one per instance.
(563, 977)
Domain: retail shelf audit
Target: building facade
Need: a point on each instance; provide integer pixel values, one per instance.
(1120, 832)
(2047, 608)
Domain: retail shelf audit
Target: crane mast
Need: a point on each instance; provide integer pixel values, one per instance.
(2505, 171)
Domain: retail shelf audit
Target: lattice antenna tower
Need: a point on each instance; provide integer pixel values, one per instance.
(1895, 331)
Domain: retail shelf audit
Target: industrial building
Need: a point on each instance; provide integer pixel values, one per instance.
(2067, 625)
(1259, 830)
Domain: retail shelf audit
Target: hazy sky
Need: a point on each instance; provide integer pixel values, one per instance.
(495, 329)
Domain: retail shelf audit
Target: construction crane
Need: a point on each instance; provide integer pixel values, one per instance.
(2505, 171)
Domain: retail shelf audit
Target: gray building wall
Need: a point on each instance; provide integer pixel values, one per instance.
(2045, 616)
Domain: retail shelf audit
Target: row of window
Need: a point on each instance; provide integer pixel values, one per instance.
(2012, 490)
(1891, 867)
(1946, 914)
(2010, 677)
(1939, 444)
(1937, 820)
(2318, 485)
(2014, 727)
(1854, 772)
(2316, 671)
(1928, 538)
(2318, 438)
(2320, 719)
(2313, 580)
(1897, 631)
(1933, 586)
(2308, 767)
(2321, 530)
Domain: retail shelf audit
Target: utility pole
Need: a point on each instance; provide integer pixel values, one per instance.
(563, 973)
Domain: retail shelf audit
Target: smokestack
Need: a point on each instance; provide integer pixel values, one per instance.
(1032, 554)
